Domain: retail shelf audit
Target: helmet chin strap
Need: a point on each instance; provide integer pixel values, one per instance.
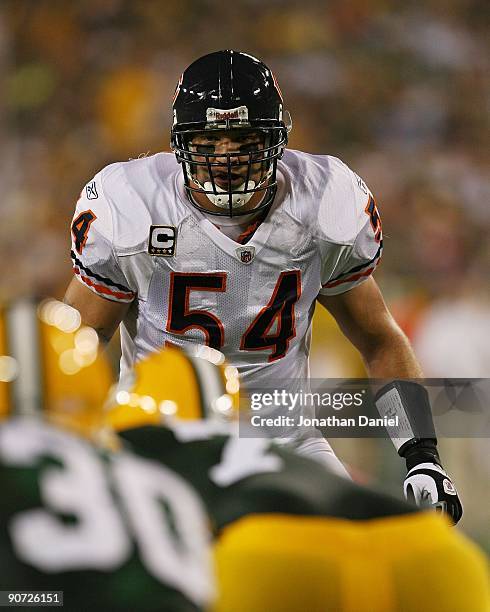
(222, 198)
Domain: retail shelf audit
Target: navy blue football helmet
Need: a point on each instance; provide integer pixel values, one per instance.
(233, 95)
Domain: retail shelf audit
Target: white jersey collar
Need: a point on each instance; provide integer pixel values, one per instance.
(226, 244)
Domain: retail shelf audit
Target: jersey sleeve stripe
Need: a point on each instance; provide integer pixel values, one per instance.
(107, 281)
(349, 279)
(125, 297)
(374, 260)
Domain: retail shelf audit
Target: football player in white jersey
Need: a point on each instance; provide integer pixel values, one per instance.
(232, 240)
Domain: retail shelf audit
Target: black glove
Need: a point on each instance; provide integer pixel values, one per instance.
(427, 482)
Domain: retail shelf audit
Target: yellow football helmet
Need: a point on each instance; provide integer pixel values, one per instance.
(50, 364)
(178, 384)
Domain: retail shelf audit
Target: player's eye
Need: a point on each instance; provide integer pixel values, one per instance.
(250, 147)
(205, 148)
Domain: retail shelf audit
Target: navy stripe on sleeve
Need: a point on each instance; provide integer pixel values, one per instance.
(98, 277)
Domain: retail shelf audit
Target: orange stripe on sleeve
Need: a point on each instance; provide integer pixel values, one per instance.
(104, 290)
(349, 279)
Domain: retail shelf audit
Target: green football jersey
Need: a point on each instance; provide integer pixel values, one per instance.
(112, 531)
(235, 476)
(131, 530)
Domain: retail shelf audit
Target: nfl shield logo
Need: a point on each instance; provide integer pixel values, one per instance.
(245, 254)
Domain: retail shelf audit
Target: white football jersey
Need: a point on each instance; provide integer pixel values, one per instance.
(136, 238)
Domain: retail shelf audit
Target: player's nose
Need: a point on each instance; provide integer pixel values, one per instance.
(228, 155)
(225, 146)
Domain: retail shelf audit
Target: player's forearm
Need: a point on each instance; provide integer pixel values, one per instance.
(103, 334)
(391, 356)
(102, 315)
(365, 320)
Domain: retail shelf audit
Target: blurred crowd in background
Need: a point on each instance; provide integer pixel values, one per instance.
(399, 91)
